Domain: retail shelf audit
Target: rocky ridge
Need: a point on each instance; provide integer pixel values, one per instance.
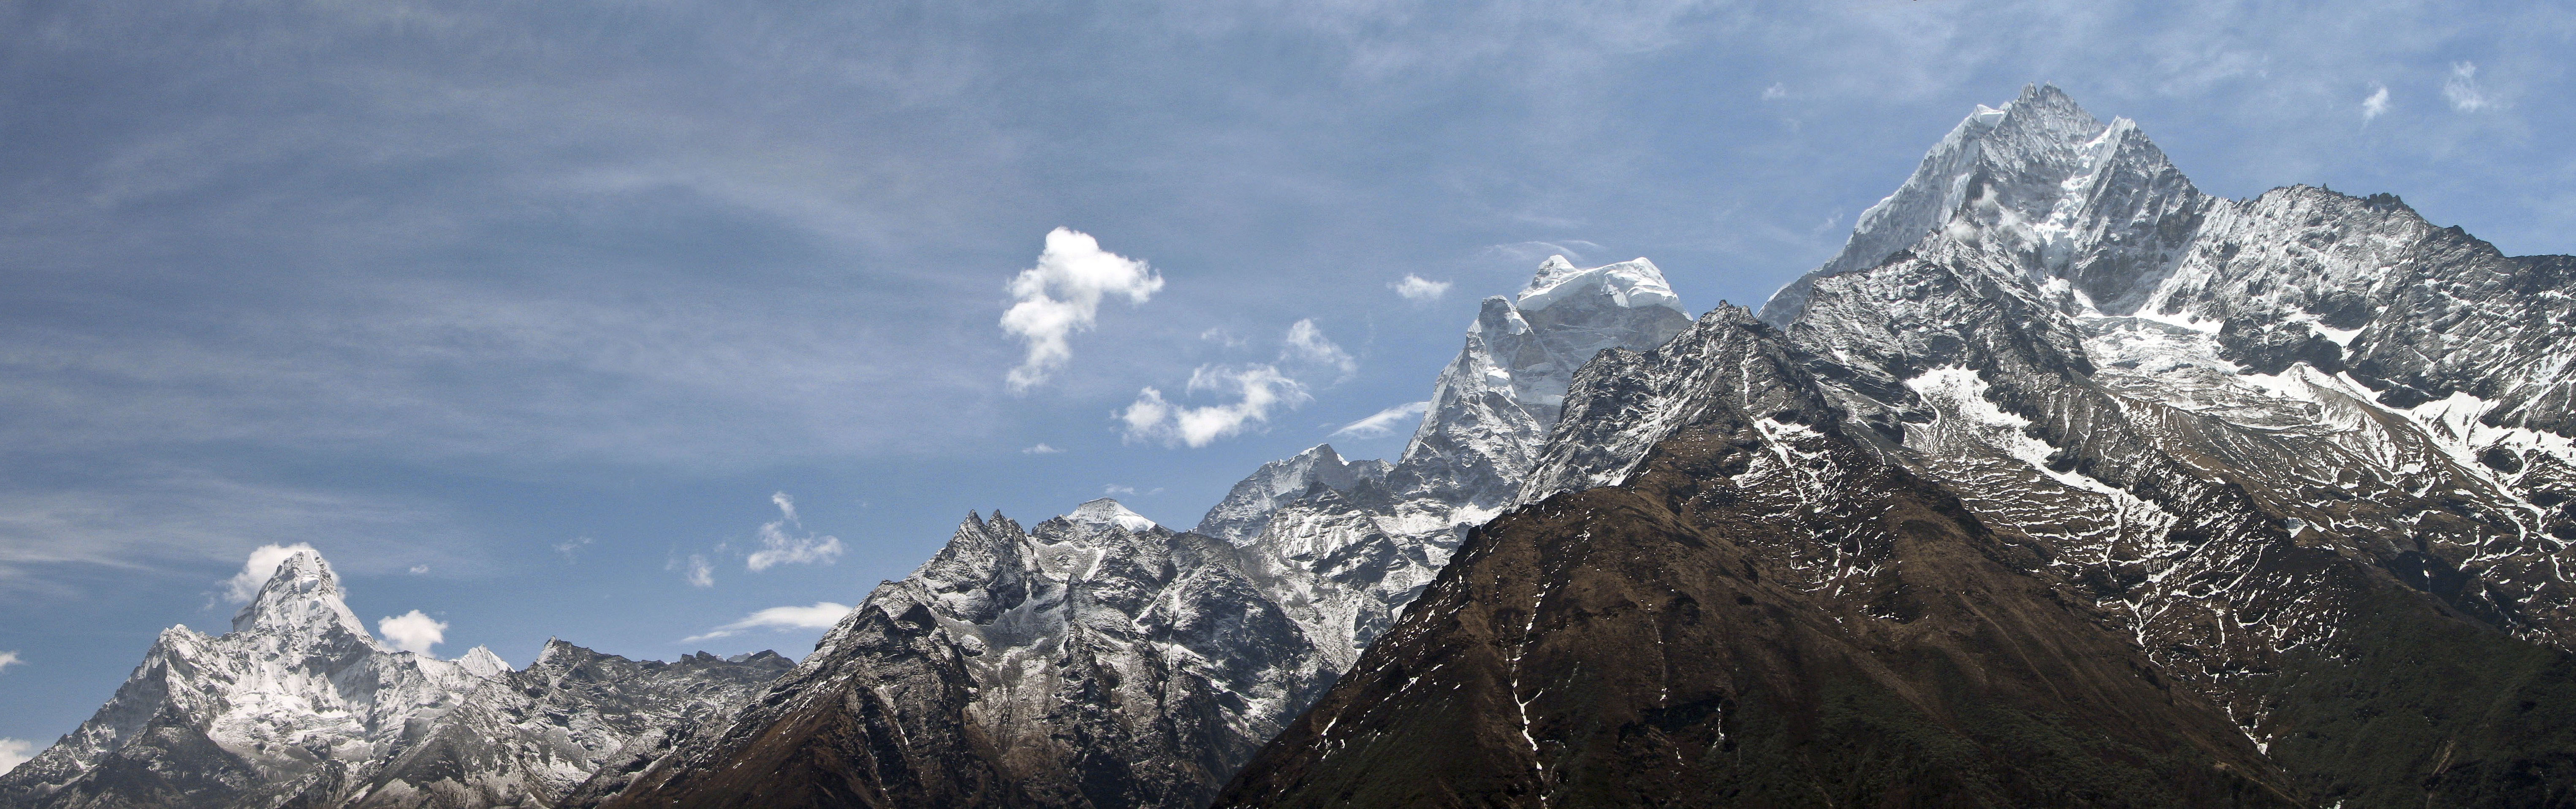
(2305, 455)
(1099, 660)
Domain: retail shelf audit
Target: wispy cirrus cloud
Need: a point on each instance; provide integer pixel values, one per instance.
(155, 519)
(779, 546)
(1307, 345)
(822, 615)
(694, 569)
(1385, 422)
(2462, 88)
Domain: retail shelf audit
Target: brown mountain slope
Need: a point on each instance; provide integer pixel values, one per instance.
(1764, 614)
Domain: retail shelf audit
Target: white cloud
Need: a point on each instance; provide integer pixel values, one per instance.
(1220, 336)
(419, 569)
(1418, 289)
(699, 572)
(1039, 448)
(14, 752)
(255, 572)
(8, 659)
(2376, 105)
(412, 631)
(1385, 421)
(2462, 88)
(1262, 387)
(1117, 489)
(778, 547)
(1532, 253)
(571, 548)
(1775, 92)
(1061, 295)
(820, 616)
(1308, 344)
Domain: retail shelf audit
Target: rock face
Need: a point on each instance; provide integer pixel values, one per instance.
(1492, 407)
(1099, 660)
(2296, 465)
(1351, 557)
(299, 706)
(1763, 613)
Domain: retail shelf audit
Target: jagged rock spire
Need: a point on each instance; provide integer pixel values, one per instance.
(303, 596)
(2038, 163)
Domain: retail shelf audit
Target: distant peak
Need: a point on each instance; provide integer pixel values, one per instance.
(1554, 265)
(1105, 511)
(1631, 284)
(305, 564)
(481, 662)
(2045, 108)
(556, 652)
(303, 594)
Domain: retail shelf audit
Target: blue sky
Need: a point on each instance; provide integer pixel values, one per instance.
(515, 309)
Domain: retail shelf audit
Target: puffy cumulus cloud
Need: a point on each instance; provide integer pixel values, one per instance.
(1039, 448)
(2462, 89)
(1418, 289)
(1061, 295)
(262, 564)
(8, 659)
(1259, 390)
(2376, 104)
(1385, 422)
(412, 631)
(1307, 344)
(820, 616)
(778, 547)
(14, 752)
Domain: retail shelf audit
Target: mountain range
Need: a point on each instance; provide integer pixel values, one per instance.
(2063, 483)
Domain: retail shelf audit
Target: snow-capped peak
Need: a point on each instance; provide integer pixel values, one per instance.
(1628, 284)
(481, 662)
(2030, 166)
(302, 595)
(1105, 511)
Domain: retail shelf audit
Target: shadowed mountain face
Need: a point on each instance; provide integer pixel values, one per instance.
(1764, 613)
(2297, 464)
(1099, 660)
